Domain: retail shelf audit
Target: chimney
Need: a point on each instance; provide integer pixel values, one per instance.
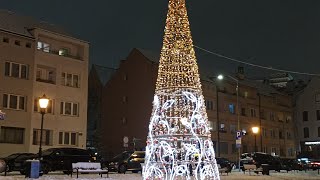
(240, 74)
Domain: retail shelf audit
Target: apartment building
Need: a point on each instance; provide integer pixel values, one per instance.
(127, 104)
(307, 119)
(36, 59)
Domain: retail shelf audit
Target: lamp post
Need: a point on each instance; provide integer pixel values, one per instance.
(43, 103)
(220, 77)
(255, 131)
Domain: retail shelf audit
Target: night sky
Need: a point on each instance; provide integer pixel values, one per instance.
(280, 34)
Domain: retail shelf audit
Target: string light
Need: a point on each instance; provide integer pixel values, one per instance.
(179, 140)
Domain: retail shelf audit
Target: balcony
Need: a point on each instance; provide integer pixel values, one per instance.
(58, 52)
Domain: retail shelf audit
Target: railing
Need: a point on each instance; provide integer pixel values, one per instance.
(45, 81)
(52, 51)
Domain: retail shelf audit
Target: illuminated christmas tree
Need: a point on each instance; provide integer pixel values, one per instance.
(179, 142)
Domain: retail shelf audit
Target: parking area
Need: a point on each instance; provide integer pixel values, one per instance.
(234, 175)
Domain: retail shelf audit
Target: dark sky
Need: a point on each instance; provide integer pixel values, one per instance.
(278, 33)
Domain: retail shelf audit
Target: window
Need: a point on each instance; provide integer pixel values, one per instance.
(234, 148)
(49, 109)
(317, 98)
(318, 114)
(71, 80)
(63, 52)
(289, 135)
(232, 128)
(243, 111)
(290, 151)
(246, 94)
(16, 42)
(305, 115)
(69, 108)
(28, 45)
(262, 114)
(11, 135)
(45, 47)
(253, 112)
(46, 137)
(223, 128)
(264, 132)
(68, 138)
(306, 132)
(272, 116)
(124, 99)
(231, 108)
(11, 101)
(288, 119)
(318, 131)
(209, 105)
(272, 133)
(280, 134)
(124, 121)
(16, 70)
(274, 150)
(5, 40)
(45, 75)
(212, 125)
(224, 148)
(264, 149)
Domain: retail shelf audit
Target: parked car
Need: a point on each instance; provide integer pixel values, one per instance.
(259, 158)
(225, 163)
(127, 161)
(61, 159)
(314, 164)
(14, 162)
(291, 164)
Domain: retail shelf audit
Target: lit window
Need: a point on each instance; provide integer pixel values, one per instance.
(231, 108)
(63, 52)
(45, 47)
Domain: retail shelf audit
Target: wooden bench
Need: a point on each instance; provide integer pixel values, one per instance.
(222, 170)
(88, 167)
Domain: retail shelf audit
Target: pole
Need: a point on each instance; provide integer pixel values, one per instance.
(218, 122)
(40, 146)
(238, 118)
(260, 122)
(255, 143)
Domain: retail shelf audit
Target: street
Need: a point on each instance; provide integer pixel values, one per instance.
(235, 175)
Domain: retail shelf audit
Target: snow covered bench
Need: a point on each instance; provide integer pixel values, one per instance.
(251, 167)
(88, 167)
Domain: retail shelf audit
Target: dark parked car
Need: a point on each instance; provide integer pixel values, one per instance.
(225, 163)
(291, 164)
(259, 158)
(127, 161)
(61, 159)
(14, 162)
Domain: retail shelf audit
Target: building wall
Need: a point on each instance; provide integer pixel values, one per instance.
(74, 62)
(308, 100)
(127, 103)
(9, 52)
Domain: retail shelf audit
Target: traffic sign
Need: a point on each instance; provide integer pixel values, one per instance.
(238, 143)
(238, 135)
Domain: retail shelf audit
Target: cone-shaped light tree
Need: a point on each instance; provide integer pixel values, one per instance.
(179, 141)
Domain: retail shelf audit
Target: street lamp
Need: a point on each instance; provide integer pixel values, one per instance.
(220, 77)
(255, 131)
(43, 103)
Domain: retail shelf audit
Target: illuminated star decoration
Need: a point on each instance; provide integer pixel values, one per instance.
(179, 140)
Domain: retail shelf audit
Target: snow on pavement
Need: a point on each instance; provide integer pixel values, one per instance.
(312, 175)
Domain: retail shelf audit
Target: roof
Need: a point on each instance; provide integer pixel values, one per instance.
(262, 88)
(104, 73)
(150, 55)
(10, 21)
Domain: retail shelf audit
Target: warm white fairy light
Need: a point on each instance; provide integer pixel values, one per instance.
(179, 141)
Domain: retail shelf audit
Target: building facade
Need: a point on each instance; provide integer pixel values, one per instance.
(127, 104)
(307, 119)
(37, 59)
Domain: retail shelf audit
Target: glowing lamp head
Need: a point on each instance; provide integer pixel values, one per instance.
(220, 77)
(255, 130)
(43, 102)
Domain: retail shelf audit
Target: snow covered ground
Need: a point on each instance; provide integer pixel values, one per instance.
(235, 175)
